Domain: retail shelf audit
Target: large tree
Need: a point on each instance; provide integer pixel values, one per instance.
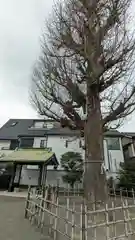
(84, 75)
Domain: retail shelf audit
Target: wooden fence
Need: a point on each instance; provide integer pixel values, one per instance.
(73, 221)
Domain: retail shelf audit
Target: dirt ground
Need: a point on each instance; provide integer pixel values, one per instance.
(13, 225)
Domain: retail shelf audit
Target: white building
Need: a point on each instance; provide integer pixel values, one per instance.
(30, 133)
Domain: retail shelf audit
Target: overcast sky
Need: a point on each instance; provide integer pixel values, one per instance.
(21, 24)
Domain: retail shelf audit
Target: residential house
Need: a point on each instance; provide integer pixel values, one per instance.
(128, 144)
(39, 133)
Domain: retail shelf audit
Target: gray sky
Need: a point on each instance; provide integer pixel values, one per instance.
(21, 24)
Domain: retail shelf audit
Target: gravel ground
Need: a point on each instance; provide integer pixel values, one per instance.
(13, 225)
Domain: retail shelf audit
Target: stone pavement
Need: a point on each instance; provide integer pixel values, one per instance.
(13, 225)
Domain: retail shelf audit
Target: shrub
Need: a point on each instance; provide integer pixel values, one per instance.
(127, 176)
(73, 165)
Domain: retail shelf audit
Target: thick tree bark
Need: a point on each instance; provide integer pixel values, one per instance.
(95, 186)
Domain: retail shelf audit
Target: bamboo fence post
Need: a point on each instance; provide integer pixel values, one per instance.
(128, 217)
(56, 219)
(114, 193)
(121, 195)
(125, 219)
(86, 222)
(34, 212)
(67, 216)
(126, 192)
(40, 212)
(40, 206)
(32, 209)
(73, 190)
(78, 190)
(49, 196)
(57, 190)
(114, 221)
(27, 202)
(83, 221)
(44, 206)
(46, 196)
(73, 222)
(107, 222)
(52, 206)
(68, 191)
(94, 218)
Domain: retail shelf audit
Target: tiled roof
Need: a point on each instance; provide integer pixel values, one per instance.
(23, 127)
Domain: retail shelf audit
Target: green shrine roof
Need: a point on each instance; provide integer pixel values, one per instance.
(31, 156)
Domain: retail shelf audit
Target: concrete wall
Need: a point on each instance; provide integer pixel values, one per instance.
(54, 177)
(28, 176)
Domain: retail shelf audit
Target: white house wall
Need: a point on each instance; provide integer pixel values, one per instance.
(113, 158)
(5, 144)
(58, 145)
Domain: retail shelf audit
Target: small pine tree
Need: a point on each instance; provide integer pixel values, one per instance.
(72, 163)
(127, 176)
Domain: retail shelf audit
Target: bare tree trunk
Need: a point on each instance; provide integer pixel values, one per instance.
(94, 177)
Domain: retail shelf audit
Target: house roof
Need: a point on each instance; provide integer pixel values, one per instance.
(30, 156)
(113, 133)
(129, 134)
(23, 127)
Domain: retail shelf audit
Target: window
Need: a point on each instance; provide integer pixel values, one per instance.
(126, 153)
(13, 124)
(26, 142)
(33, 167)
(48, 125)
(43, 143)
(42, 124)
(113, 143)
(14, 144)
(38, 124)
